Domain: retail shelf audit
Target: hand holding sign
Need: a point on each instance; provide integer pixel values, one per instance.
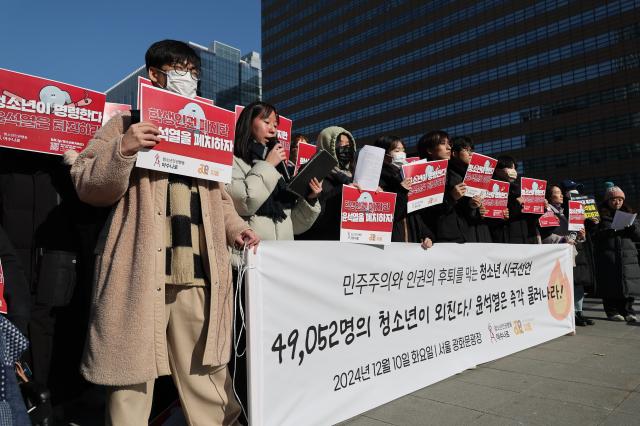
(139, 136)
(458, 191)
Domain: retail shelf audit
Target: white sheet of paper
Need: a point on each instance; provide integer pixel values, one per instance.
(622, 219)
(368, 167)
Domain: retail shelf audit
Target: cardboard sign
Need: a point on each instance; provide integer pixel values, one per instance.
(532, 194)
(479, 174)
(197, 138)
(111, 109)
(41, 115)
(3, 303)
(305, 152)
(366, 216)
(576, 216)
(548, 220)
(428, 181)
(589, 206)
(496, 199)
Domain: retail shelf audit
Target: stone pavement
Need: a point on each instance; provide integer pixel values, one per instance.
(592, 378)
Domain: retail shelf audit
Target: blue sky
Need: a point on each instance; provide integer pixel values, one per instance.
(94, 44)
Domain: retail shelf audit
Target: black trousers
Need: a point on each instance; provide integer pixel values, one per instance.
(622, 306)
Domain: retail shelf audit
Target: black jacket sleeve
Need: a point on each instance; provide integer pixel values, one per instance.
(16, 289)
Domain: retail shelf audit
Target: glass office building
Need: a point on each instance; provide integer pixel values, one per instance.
(226, 77)
(555, 83)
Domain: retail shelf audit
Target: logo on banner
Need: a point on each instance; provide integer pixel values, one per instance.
(559, 295)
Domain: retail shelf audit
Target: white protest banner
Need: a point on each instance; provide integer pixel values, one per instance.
(339, 329)
(479, 174)
(197, 137)
(366, 217)
(428, 180)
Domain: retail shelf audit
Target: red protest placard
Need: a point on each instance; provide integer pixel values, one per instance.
(412, 159)
(143, 80)
(305, 152)
(111, 109)
(576, 216)
(549, 220)
(3, 302)
(428, 180)
(478, 174)
(496, 199)
(197, 138)
(366, 216)
(37, 114)
(532, 194)
(284, 134)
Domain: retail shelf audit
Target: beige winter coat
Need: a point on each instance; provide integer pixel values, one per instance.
(126, 341)
(251, 186)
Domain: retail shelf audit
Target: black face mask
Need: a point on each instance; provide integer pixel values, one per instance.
(345, 156)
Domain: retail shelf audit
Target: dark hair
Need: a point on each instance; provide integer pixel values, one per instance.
(547, 192)
(295, 137)
(505, 162)
(244, 137)
(387, 142)
(170, 52)
(430, 141)
(462, 142)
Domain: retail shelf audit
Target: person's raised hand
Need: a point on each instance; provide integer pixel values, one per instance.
(138, 136)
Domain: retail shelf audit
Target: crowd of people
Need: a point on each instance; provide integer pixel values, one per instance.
(159, 300)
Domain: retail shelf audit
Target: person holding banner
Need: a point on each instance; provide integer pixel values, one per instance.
(477, 229)
(617, 268)
(407, 227)
(446, 220)
(259, 180)
(520, 228)
(162, 299)
(340, 143)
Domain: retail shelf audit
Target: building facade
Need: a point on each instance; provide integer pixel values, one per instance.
(226, 77)
(555, 83)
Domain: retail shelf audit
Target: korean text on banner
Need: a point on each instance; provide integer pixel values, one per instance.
(589, 206)
(479, 174)
(41, 115)
(496, 199)
(576, 216)
(197, 138)
(284, 134)
(428, 180)
(305, 152)
(532, 195)
(366, 216)
(387, 322)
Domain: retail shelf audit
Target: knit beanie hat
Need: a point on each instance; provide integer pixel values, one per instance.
(613, 192)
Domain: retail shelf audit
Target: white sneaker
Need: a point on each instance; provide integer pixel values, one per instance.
(616, 317)
(631, 318)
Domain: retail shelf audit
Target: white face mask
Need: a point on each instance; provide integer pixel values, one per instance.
(183, 85)
(512, 173)
(399, 158)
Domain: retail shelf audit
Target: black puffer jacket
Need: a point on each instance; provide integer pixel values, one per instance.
(618, 271)
(584, 273)
(407, 227)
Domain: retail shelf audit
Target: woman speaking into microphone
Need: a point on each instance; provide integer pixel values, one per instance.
(259, 179)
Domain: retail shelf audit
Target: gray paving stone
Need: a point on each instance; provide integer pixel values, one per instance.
(545, 411)
(410, 410)
(363, 421)
(463, 394)
(506, 380)
(493, 420)
(621, 419)
(631, 405)
(581, 393)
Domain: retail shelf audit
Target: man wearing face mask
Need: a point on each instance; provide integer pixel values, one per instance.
(342, 146)
(162, 299)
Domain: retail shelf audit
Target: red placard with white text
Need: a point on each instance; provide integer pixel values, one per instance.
(479, 174)
(305, 152)
(284, 134)
(532, 195)
(143, 80)
(496, 199)
(428, 180)
(549, 220)
(42, 115)
(576, 216)
(111, 109)
(197, 137)
(412, 159)
(3, 301)
(366, 216)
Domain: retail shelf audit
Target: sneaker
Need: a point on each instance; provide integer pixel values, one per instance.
(631, 318)
(616, 317)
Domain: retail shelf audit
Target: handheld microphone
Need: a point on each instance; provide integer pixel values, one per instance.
(282, 167)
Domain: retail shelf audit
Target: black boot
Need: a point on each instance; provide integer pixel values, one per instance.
(580, 321)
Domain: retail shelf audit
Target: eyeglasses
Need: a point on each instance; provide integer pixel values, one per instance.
(195, 74)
